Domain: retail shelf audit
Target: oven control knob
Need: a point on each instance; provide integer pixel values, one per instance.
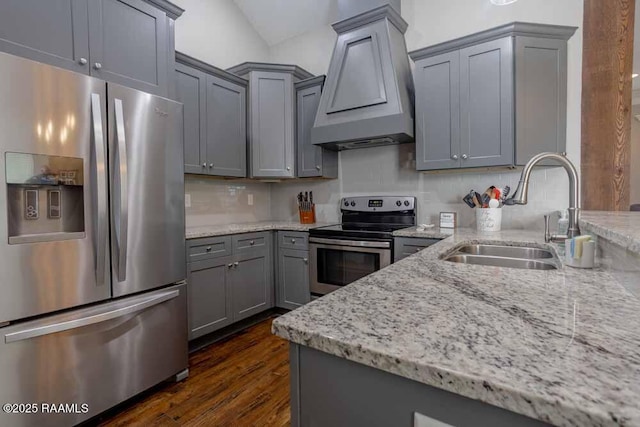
(353, 203)
(398, 203)
(346, 203)
(406, 203)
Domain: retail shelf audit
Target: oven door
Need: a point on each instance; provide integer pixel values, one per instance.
(336, 263)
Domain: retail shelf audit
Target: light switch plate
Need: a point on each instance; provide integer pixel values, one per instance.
(250, 199)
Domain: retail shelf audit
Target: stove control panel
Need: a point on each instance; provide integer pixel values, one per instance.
(378, 204)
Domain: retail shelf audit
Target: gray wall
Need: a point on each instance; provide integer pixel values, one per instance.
(635, 155)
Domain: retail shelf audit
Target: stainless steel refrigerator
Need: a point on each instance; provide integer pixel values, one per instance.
(92, 245)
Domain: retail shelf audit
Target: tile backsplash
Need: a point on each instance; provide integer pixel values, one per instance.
(386, 170)
(391, 170)
(216, 201)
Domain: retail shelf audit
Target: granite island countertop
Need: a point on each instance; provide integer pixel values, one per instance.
(621, 228)
(250, 227)
(559, 346)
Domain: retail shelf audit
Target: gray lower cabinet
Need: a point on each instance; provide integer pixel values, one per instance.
(406, 246)
(209, 292)
(128, 42)
(293, 278)
(229, 279)
(494, 98)
(313, 160)
(251, 284)
(292, 269)
(215, 118)
(272, 117)
(327, 390)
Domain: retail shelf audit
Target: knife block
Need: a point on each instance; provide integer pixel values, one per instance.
(308, 216)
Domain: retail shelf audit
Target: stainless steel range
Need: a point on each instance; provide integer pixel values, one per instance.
(361, 244)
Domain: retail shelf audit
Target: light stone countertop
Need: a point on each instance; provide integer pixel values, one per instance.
(252, 227)
(559, 346)
(621, 228)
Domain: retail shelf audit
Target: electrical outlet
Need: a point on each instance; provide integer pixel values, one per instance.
(250, 199)
(187, 200)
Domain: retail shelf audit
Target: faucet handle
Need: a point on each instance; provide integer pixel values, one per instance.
(547, 230)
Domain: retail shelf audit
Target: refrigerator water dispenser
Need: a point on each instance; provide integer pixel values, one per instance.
(45, 198)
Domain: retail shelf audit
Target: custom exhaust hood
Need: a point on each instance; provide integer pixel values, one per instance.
(368, 96)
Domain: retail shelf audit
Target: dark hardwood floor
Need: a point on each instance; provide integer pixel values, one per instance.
(240, 381)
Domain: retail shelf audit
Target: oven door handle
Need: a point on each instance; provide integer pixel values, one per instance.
(350, 243)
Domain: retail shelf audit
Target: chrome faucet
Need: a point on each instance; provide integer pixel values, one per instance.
(520, 195)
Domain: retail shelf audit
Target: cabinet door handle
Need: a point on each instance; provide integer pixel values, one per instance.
(230, 265)
(454, 157)
(235, 264)
(317, 167)
(204, 165)
(208, 249)
(305, 260)
(465, 157)
(293, 240)
(210, 165)
(288, 168)
(97, 65)
(83, 61)
(252, 243)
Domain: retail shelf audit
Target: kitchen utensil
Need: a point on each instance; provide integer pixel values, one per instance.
(468, 199)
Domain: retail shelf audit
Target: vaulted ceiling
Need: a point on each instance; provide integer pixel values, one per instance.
(278, 20)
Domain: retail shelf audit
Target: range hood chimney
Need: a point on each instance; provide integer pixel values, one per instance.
(368, 95)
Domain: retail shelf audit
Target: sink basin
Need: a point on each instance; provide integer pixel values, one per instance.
(497, 261)
(506, 251)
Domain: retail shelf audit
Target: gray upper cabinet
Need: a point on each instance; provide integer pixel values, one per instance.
(53, 31)
(486, 104)
(438, 112)
(191, 89)
(272, 117)
(313, 160)
(215, 118)
(226, 127)
(129, 42)
(494, 98)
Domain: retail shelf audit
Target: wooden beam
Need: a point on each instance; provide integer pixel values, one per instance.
(607, 60)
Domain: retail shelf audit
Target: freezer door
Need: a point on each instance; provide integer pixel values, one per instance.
(53, 189)
(147, 190)
(97, 356)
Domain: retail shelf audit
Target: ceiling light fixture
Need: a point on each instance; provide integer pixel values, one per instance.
(502, 2)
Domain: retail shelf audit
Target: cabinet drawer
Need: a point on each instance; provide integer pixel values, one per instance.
(210, 247)
(405, 246)
(293, 240)
(250, 242)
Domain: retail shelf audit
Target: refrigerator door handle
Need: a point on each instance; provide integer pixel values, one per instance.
(101, 181)
(53, 328)
(123, 214)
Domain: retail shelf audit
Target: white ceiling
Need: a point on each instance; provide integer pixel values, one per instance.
(278, 20)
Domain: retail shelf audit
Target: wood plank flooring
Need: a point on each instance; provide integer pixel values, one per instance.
(240, 381)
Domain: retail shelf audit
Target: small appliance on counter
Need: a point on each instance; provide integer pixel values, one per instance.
(361, 244)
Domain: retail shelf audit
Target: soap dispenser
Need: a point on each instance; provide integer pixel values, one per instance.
(563, 222)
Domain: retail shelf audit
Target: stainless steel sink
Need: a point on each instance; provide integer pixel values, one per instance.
(496, 261)
(506, 251)
(505, 256)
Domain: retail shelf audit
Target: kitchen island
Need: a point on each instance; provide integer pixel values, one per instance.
(468, 345)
